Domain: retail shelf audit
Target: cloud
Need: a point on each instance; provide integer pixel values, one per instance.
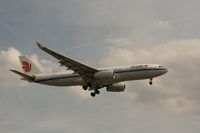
(9, 60)
(51, 124)
(180, 104)
(178, 89)
(163, 24)
(46, 66)
(79, 92)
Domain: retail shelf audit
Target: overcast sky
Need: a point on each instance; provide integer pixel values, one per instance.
(102, 33)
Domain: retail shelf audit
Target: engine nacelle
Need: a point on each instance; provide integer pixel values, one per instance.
(105, 74)
(116, 87)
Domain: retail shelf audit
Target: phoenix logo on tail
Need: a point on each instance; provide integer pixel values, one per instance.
(26, 66)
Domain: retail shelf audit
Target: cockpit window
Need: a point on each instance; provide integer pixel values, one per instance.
(160, 66)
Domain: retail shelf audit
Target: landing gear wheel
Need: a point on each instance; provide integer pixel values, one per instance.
(92, 94)
(97, 92)
(150, 82)
(84, 87)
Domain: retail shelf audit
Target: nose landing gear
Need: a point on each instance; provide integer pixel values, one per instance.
(150, 82)
(85, 87)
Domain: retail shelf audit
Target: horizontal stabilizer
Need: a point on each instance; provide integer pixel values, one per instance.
(25, 76)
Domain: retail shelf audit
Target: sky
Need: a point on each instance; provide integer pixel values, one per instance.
(102, 33)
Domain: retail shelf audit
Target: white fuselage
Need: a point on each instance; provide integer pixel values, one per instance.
(136, 72)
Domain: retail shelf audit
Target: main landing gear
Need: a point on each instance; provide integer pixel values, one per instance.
(95, 92)
(88, 87)
(85, 87)
(150, 82)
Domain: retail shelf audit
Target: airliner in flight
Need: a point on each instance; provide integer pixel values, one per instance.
(89, 78)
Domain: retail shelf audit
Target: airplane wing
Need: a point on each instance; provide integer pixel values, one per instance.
(86, 72)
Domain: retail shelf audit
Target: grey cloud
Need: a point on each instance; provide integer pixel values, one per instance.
(76, 22)
(171, 105)
(9, 60)
(180, 84)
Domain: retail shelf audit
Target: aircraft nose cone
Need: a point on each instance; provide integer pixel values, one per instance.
(165, 70)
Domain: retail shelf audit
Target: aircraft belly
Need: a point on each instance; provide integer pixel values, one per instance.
(124, 77)
(64, 82)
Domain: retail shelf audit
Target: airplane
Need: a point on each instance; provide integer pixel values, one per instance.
(89, 78)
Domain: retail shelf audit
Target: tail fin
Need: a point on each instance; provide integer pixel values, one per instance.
(28, 66)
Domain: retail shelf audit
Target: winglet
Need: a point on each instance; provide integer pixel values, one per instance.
(40, 45)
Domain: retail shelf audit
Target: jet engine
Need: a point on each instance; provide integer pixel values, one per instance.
(118, 87)
(105, 74)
